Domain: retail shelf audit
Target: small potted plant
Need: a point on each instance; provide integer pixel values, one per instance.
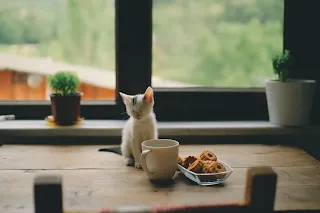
(65, 100)
(289, 100)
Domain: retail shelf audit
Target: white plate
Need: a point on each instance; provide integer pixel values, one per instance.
(207, 179)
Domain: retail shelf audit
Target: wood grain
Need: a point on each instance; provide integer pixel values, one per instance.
(88, 157)
(93, 189)
(92, 179)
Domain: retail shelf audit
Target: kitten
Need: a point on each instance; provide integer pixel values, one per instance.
(141, 126)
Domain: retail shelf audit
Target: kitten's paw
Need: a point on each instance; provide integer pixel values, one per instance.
(137, 165)
(128, 161)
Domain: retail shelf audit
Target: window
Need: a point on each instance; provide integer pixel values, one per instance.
(215, 43)
(40, 37)
(206, 59)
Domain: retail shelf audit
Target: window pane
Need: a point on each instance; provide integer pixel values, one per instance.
(215, 43)
(40, 37)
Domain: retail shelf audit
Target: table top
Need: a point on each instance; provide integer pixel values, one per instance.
(93, 180)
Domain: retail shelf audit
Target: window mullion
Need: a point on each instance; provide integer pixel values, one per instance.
(133, 46)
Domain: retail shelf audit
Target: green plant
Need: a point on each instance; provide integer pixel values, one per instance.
(64, 83)
(282, 65)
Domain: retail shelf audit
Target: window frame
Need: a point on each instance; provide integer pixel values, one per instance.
(133, 43)
(245, 104)
(133, 61)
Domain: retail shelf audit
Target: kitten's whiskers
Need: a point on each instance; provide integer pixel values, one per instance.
(125, 117)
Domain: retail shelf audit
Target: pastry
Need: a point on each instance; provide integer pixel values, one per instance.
(196, 166)
(188, 160)
(209, 167)
(180, 160)
(220, 168)
(207, 155)
(207, 161)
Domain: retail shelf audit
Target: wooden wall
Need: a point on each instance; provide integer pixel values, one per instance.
(6, 88)
(96, 93)
(13, 86)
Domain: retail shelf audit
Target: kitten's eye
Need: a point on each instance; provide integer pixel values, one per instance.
(134, 101)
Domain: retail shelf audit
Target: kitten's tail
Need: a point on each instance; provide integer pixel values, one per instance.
(115, 149)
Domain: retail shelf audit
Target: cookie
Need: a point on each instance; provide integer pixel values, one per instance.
(220, 168)
(196, 166)
(209, 167)
(180, 160)
(188, 160)
(207, 161)
(207, 155)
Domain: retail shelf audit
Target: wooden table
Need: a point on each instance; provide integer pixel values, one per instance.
(93, 179)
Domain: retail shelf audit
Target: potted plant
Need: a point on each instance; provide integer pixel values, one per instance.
(289, 100)
(65, 100)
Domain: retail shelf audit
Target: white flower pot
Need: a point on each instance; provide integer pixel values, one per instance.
(290, 103)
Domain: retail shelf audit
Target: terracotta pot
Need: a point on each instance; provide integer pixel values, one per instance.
(65, 109)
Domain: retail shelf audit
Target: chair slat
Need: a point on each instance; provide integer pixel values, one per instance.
(48, 194)
(261, 189)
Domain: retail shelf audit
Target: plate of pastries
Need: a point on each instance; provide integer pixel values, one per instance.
(204, 169)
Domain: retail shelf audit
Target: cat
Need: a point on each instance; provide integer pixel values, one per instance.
(141, 126)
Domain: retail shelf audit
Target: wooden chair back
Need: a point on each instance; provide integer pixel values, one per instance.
(259, 197)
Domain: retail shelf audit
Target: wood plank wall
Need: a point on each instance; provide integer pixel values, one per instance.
(13, 86)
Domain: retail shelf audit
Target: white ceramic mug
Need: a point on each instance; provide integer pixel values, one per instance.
(159, 158)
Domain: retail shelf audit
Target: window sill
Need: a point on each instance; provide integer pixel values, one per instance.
(101, 128)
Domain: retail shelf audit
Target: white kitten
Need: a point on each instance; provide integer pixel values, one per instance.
(141, 125)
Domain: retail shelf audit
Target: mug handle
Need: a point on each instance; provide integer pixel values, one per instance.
(143, 160)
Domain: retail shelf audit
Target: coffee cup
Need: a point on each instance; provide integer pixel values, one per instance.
(159, 158)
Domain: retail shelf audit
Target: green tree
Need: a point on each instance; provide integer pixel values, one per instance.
(88, 34)
(25, 22)
(221, 43)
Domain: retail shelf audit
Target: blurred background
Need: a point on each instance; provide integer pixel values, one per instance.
(212, 43)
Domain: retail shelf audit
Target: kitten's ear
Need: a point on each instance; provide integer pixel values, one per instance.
(148, 95)
(126, 98)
